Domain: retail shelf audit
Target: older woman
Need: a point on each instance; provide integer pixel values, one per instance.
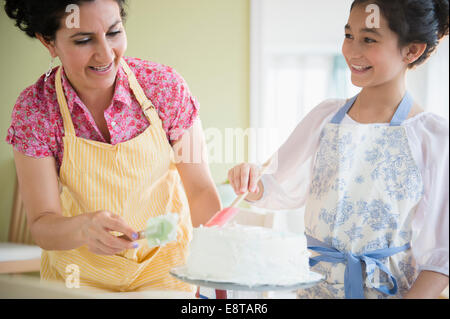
(93, 144)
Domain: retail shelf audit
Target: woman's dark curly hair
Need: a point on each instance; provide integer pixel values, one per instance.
(43, 16)
(415, 21)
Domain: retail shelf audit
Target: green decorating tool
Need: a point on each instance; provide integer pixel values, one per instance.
(160, 230)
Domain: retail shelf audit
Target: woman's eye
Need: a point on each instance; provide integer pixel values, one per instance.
(348, 36)
(86, 40)
(112, 34)
(83, 41)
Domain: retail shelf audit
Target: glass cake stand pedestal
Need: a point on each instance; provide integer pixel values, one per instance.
(221, 287)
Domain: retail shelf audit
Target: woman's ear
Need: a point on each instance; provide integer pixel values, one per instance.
(413, 51)
(50, 45)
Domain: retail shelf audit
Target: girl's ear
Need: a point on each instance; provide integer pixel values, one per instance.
(50, 45)
(413, 51)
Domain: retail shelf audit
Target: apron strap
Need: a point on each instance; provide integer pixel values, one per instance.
(402, 111)
(337, 119)
(401, 114)
(146, 104)
(64, 109)
(353, 276)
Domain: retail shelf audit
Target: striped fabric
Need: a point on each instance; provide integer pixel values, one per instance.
(137, 180)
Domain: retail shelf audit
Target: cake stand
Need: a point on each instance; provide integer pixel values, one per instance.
(181, 274)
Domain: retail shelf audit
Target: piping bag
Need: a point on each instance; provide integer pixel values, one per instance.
(225, 215)
(160, 230)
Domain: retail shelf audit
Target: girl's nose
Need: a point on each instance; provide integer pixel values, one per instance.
(355, 51)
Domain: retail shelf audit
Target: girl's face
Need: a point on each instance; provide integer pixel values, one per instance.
(372, 54)
(91, 53)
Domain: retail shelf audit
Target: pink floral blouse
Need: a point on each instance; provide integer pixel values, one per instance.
(37, 128)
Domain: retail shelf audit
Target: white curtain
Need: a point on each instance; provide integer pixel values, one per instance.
(437, 81)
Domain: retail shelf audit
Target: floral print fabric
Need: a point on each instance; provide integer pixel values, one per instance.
(37, 126)
(363, 195)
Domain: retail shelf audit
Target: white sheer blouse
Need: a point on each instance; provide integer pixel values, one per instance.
(287, 186)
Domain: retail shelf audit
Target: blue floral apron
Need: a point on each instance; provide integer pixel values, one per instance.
(359, 211)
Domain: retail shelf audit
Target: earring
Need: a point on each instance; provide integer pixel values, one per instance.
(50, 69)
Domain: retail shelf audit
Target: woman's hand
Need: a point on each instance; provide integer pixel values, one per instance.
(244, 177)
(96, 233)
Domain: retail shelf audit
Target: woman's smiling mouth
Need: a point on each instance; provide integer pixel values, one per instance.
(101, 69)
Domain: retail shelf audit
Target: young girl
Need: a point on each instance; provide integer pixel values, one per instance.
(372, 171)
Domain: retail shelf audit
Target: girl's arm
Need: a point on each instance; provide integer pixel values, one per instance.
(192, 165)
(286, 183)
(428, 285)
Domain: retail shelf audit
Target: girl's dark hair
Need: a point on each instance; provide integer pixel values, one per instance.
(415, 21)
(43, 16)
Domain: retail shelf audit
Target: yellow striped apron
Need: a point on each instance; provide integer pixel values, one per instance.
(136, 180)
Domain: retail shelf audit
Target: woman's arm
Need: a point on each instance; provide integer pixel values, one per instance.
(428, 285)
(192, 165)
(38, 184)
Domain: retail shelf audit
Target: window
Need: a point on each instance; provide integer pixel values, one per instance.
(296, 63)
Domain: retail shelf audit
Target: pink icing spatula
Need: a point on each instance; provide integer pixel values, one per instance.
(223, 216)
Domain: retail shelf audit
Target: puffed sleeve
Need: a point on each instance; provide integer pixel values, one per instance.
(180, 106)
(27, 133)
(287, 181)
(429, 140)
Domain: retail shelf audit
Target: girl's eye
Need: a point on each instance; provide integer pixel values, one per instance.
(348, 36)
(369, 40)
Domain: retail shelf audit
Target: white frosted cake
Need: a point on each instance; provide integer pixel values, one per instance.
(248, 255)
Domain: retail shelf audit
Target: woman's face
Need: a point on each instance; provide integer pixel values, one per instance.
(372, 54)
(91, 53)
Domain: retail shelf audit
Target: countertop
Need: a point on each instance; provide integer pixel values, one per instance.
(27, 287)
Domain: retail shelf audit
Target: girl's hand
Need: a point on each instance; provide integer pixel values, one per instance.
(244, 177)
(96, 233)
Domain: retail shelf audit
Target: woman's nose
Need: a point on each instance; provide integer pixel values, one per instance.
(104, 52)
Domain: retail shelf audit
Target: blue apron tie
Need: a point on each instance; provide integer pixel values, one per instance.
(400, 115)
(353, 277)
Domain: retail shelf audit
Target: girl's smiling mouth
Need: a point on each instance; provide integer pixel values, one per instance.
(359, 69)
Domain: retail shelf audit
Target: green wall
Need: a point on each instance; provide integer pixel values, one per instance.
(206, 41)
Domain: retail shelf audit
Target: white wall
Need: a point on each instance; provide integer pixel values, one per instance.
(305, 24)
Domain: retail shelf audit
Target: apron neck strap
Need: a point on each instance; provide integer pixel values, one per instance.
(138, 92)
(146, 104)
(403, 110)
(401, 114)
(63, 107)
(337, 119)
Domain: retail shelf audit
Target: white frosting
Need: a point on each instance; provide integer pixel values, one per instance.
(248, 255)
